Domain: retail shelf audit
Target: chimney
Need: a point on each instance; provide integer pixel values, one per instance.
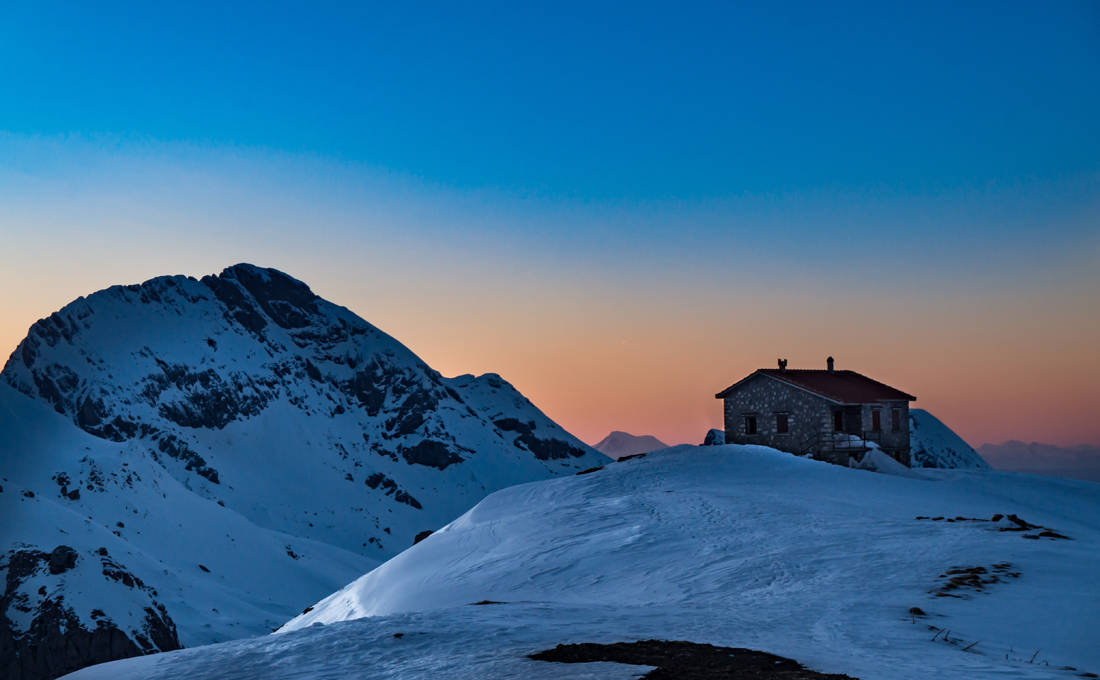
(829, 364)
(782, 364)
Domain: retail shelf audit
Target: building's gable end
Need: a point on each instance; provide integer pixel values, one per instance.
(737, 385)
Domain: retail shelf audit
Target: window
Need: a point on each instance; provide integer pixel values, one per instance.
(838, 421)
(895, 420)
(782, 424)
(750, 424)
(876, 420)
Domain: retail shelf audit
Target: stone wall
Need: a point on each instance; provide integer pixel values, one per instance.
(807, 415)
(894, 443)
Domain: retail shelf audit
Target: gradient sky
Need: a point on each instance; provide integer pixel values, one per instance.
(622, 208)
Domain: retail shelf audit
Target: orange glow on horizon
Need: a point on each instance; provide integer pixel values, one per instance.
(602, 363)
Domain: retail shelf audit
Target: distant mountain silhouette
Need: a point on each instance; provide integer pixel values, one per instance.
(1077, 462)
(618, 444)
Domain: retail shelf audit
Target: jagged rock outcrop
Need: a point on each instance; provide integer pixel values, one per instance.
(54, 639)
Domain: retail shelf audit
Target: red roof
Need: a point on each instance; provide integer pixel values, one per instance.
(845, 387)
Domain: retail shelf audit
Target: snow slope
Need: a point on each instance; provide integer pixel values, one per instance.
(934, 445)
(619, 444)
(731, 545)
(242, 423)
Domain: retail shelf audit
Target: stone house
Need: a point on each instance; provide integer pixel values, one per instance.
(828, 414)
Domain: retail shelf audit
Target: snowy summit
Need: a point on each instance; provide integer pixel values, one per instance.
(189, 461)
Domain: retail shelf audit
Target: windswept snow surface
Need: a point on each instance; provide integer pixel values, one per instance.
(731, 545)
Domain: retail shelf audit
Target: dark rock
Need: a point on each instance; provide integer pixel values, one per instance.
(633, 455)
(687, 661)
(203, 567)
(55, 642)
(62, 559)
(411, 412)
(590, 470)
(116, 572)
(286, 301)
(715, 437)
(90, 414)
(544, 449)
(430, 453)
(193, 462)
(379, 480)
(208, 399)
(313, 372)
(422, 535)
(238, 308)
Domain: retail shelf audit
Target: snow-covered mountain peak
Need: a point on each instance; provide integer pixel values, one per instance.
(934, 445)
(278, 413)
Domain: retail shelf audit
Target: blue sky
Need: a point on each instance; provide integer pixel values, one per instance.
(589, 101)
(587, 195)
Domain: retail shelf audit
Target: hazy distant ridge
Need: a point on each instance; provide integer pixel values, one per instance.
(620, 443)
(1079, 462)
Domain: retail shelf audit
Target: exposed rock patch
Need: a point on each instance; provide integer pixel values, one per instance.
(1005, 522)
(687, 661)
(430, 453)
(956, 581)
(389, 486)
(544, 449)
(56, 641)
